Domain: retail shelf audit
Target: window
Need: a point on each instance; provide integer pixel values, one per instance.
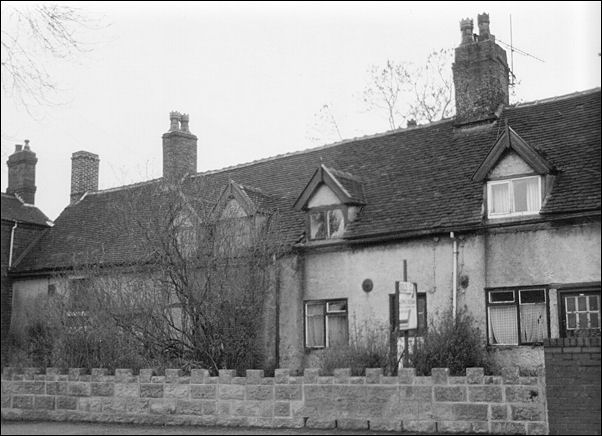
(77, 315)
(421, 314)
(514, 197)
(517, 316)
(51, 290)
(580, 314)
(326, 323)
(326, 224)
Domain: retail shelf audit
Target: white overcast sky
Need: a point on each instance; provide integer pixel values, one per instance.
(252, 76)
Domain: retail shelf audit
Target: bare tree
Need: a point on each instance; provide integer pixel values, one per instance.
(325, 127)
(406, 91)
(386, 86)
(203, 294)
(32, 34)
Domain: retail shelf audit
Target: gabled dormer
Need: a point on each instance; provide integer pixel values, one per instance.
(516, 178)
(332, 199)
(234, 202)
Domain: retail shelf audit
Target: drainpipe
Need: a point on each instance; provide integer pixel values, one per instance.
(454, 273)
(12, 241)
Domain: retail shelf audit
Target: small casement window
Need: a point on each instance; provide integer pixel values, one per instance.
(326, 323)
(517, 316)
(514, 197)
(580, 312)
(326, 224)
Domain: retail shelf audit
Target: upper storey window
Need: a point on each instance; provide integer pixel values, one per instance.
(517, 177)
(514, 197)
(327, 224)
(332, 199)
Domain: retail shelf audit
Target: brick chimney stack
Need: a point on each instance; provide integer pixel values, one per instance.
(22, 173)
(179, 149)
(480, 74)
(84, 174)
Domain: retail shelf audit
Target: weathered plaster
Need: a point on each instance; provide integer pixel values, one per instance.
(510, 164)
(323, 196)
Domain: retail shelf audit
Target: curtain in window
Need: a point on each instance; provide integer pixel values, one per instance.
(503, 325)
(336, 223)
(337, 330)
(500, 201)
(315, 325)
(317, 225)
(533, 195)
(533, 322)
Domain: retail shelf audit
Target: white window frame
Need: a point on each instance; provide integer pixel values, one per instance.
(510, 184)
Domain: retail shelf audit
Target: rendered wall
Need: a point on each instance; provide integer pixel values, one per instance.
(470, 404)
(503, 257)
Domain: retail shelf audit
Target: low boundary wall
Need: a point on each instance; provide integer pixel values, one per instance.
(573, 385)
(439, 403)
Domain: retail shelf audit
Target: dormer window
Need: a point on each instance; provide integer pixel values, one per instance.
(514, 197)
(517, 176)
(332, 199)
(326, 224)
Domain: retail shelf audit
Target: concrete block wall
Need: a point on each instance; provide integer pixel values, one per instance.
(573, 385)
(439, 403)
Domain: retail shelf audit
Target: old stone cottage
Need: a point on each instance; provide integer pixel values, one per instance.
(496, 210)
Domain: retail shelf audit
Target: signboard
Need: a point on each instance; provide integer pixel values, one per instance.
(408, 316)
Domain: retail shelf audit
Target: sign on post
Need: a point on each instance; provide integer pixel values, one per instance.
(408, 317)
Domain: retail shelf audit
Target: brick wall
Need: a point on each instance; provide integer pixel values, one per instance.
(573, 385)
(474, 403)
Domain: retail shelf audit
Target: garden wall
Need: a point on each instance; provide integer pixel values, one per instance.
(439, 403)
(573, 385)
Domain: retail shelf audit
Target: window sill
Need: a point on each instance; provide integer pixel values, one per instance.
(514, 216)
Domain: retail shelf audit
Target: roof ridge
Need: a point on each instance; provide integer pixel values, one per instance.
(555, 98)
(123, 187)
(342, 142)
(321, 147)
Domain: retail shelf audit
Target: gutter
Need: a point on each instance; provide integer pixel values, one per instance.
(12, 242)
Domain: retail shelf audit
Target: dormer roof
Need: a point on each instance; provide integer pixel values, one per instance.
(510, 140)
(251, 200)
(345, 186)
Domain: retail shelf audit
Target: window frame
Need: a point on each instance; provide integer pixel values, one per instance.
(339, 313)
(574, 291)
(325, 209)
(510, 182)
(517, 304)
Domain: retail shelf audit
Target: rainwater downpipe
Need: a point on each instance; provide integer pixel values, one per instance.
(454, 273)
(12, 241)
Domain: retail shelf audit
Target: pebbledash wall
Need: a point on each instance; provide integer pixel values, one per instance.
(473, 403)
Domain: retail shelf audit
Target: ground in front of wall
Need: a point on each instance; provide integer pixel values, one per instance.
(69, 428)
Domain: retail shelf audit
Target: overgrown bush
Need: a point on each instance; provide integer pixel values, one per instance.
(368, 348)
(450, 342)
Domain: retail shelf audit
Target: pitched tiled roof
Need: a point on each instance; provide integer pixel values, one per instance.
(13, 209)
(417, 179)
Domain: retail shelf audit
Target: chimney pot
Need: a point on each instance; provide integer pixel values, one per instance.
(174, 118)
(483, 21)
(18, 147)
(184, 119)
(466, 27)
